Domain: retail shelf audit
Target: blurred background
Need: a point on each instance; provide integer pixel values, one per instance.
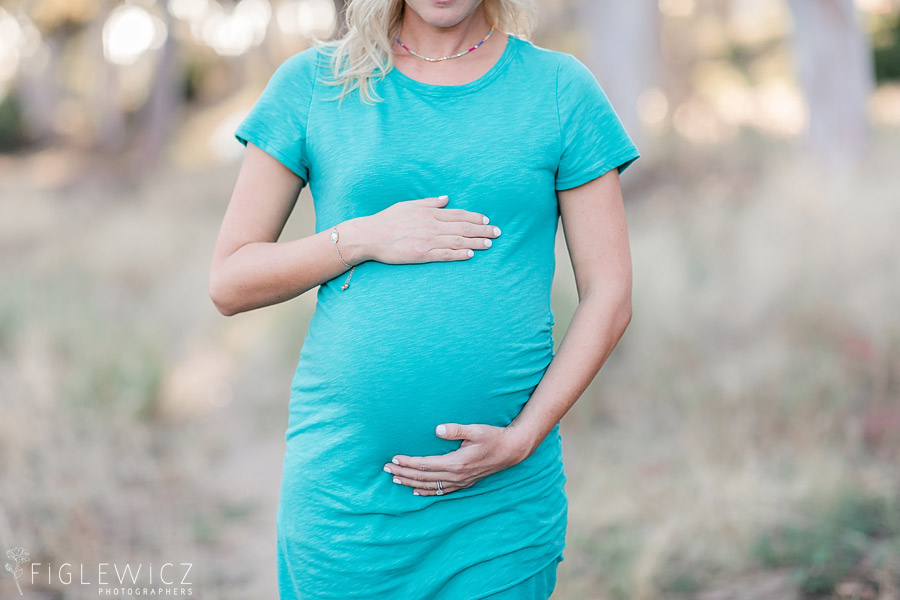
(743, 441)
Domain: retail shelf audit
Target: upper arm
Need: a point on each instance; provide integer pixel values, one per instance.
(276, 163)
(595, 149)
(596, 233)
(264, 196)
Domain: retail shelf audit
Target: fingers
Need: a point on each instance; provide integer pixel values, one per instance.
(432, 490)
(461, 243)
(458, 242)
(460, 215)
(443, 464)
(457, 431)
(457, 235)
(467, 229)
(448, 254)
(437, 202)
(427, 488)
(452, 214)
(420, 479)
(425, 484)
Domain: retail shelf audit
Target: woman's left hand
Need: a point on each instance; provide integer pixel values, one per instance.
(486, 449)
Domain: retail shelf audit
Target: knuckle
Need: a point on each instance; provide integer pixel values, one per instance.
(458, 241)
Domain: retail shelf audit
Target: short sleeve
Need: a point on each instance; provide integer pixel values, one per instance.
(277, 122)
(593, 138)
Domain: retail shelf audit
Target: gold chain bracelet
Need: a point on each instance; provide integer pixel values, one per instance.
(334, 240)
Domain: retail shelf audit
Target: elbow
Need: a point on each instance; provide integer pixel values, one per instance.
(622, 307)
(615, 304)
(221, 298)
(626, 312)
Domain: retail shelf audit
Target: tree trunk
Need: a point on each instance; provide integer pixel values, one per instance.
(160, 110)
(834, 66)
(108, 117)
(39, 90)
(622, 48)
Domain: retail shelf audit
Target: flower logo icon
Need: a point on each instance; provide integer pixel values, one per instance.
(19, 557)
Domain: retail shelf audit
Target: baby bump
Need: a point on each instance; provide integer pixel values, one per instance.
(375, 407)
(411, 347)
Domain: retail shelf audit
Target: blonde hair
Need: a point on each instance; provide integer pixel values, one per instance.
(365, 51)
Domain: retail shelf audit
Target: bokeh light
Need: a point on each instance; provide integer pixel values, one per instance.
(129, 32)
(307, 17)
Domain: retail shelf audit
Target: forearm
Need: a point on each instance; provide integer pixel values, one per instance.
(597, 326)
(260, 274)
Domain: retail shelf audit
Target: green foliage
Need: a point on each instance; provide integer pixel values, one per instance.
(683, 583)
(10, 317)
(12, 133)
(209, 525)
(610, 553)
(683, 577)
(103, 364)
(111, 373)
(192, 80)
(832, 543)
(887, 53)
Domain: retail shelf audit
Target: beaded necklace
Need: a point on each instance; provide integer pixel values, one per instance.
(463, 53)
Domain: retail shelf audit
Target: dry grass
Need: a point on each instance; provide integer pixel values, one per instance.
(760, 372)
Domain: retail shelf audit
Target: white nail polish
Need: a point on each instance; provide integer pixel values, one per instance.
(395, 461)
(470, 253)
(487, 243)
(486, 220)
(387, 469)
(496, 231)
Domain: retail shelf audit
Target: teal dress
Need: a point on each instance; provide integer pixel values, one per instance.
(407, 347)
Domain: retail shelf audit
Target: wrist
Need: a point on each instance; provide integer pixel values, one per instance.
(524, 438)
(354, 247)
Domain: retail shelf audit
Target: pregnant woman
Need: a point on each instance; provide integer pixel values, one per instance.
(424, 458)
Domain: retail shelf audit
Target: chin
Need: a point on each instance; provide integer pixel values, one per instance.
(443, 13)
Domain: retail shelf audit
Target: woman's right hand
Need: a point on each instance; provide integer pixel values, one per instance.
(419, 231)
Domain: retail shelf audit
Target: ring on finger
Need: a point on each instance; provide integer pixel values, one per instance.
(440, 488)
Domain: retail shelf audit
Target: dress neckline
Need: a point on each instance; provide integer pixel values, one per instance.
(454, 90)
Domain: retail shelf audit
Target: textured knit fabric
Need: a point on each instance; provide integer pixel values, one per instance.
(407, 347)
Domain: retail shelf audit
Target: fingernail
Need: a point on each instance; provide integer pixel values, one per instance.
(485, 220)
(487, 243)
(496, 231)
(441, 430)
(415, 493)
(388, 469)
(396, 480)
(470, 253)
(395, 461)
(445, 197)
